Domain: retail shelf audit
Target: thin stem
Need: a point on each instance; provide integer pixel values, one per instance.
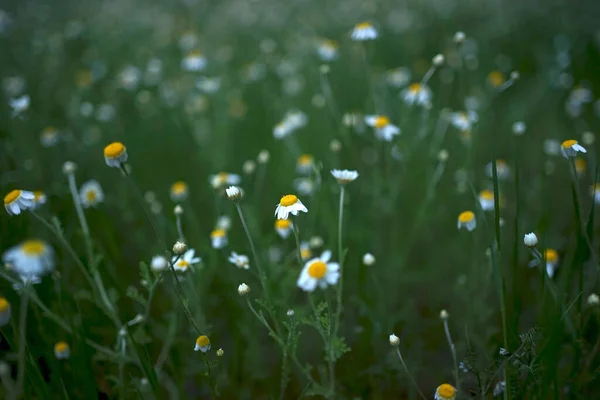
(22, 340)
(179, 227)
(296, 230)
(81, 216)
(453, 351)
(213, 386)
(409, 375)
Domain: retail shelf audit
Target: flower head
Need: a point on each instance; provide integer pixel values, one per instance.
(115, 154)
(62, 350)
(463, 120)
(570, 148)
(5, 311)
(552, 259)
(194, 61)
(18, 200)
(19, 104)
(30, 259)
(364, 31)
(223, 222)
(39, 198)
(394, 340)
(159, 263)
(223, 179)
(283, 227)
(595, 189)
(187, 260)
(239, 260)
(445, 392)
(179, 248)
(218, 238)
(49, 136)
(90, 194)
(466, 219)
(289, 204)
(496, 78)
(530, 239)
(384, 129)
(319, 272)
(486, 200)
(368, 259)
(417, 94)
(202, 344)
(305, 251)
(328, 50)
(398, 77)
(243, 289)
(593, 300)
(502, 169)
(304, 164)
(234, 193)
(344, 176)
(179, 191)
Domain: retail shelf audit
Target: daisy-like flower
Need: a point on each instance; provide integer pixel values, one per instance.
(445, 392)
(519, 127)
(208, 85)
(552, 259)
(218, 238)
(194, 61)
(223, 222)
(328, 50)
(18, 200)
(530, 239)
(39, 198)
(5, 311)
(224, 179)
(282, 129)
(62, 350)
(115, 154)
(417, 94)
(368, 259)
(466, 219)
(319, 272)
(234, 193)
(304, 186)
(364, 31)
(463, 120)
(502, 169)
(91, 194)
(202, 344)
(305, 251)
(304, 164)
(496, 78)
(486, 200)
(30, 259)
(570, 148)
(184, 262)
(284, 227)
(344, 176)
(384, 129)
(179, 191)
(19, 104)
(398, 77)
(49, 137)
(595, 189)
(239, 260)
(159, 263)
(289, 204)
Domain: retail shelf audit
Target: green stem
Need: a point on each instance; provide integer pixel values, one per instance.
(453, 351)
(22, 340)
(81, 216)
(412, 380)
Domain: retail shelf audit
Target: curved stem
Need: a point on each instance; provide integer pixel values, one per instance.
(412, 380)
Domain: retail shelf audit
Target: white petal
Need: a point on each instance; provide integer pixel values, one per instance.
(334, 267)
(326, 256)
(332, 277)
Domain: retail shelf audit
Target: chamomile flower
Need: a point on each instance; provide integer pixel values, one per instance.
(179, 191)
(62, 350)
(344, 176)
(223, 222)
(328, 50)
(49, 137)
(194, 61)
(304, 164)
(115, 154)
(218, 238)
(30, 259)
(319, 272)
(39, 198)
(466, 219)
(159, 263)
(551, 256)
(519, 127)
(384, 129)
(18, 200)
(364, 31)
(19, 104)
(502, 169)
(305, 251)
(496, 78)
(224, 179)
(284, 228)
(239, 260)
(570, 148)
(5, 311)
(486, 200)
(289, 204)
(445, 392)
(417, 94)
(184, 262)
(463, 120)
(208, 85)
(398, 77)
(202, 344)
(91, 194)
(304, 186)
(282, 129)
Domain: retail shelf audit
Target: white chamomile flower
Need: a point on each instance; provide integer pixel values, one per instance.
(551, 256)
(218, 238)
(129, 77)
(596, 192)
(519, 127)
(115, 154)
(234, 193)
(224, 223)
(194, 61)
(289, 204)
(62, 350)
(284, 228)
(19, 104)
(30, 259)
(486, 200)
(368, 259)
(39, 198)
(239, 260)
(319, 272)
(90, 194)
(328, 50)
(364, 31)
(304, 164)
(344, 176)
(417, 94)
(530, 239)
(384, 129)
(159, 263)
(202, 344)
(179, 191)
(5, 311)
(18, 200)
(463, 120)
(570, 148)
(502, 169)
(445, 392)
(305, 186)
(208, 85)
(184, 262)
(305, 251)
(466, 219)
(49, 137)
(398, 77)
(224, 179)
(282, 129)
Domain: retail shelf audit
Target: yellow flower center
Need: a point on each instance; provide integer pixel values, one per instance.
(114, 150)
(305, 159)
(38, 194)
(203, 341)
(288, 200)
(446, 391)
(33, 247)
(551, 255)
(222, 177)
(61, 347)
(414, 88)
(91, 195)
(466, 216)
(381, 121)
(12, 196)
(364, 25)
(179, 187)
(486, 195)
(329, 44)
(305, 253)
(496, 78)
(195, 53)
(217, 233)
(569, 143)
(4, 304)
(183, 264)
(282, 224)
(317, 269)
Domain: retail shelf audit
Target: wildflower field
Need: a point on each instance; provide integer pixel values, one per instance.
(299, 199)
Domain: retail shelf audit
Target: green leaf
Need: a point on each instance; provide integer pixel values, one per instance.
(339, 348)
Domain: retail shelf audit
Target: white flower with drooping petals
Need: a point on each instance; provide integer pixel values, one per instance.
(328, 50)
(18, 200)
(344, 176)
(194, 61)
(239, 260)
(289, 204)
(384, 129)
(417, 94)
(218, 238)
(30, 259)
(364, 31)
(183, 263)
(570, 148)
(319, 272)
(19, 104)
(284, 228)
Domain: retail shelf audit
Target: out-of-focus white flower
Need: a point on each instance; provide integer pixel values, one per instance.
(62, 350)
(18, 200)
(129, 77)
(398, 77)
(466, 219)
(530, 239)
(502, 169)
(283, 227)
(384, 129)
(115, 154)
(208, 85)
(194, 61)
(223, 179)
(19, 104)
(49, 137)
(218, 238)
(394, 340)
(417, 94)
(486, 200)
(239, 260)
(368, 259)
(328, 50)
(519, 127)
(344, 176)
(570, 148)
(30, 259)
(90, 194)
(319, 272)
(364, 31)
(464, 120)
(159, 263)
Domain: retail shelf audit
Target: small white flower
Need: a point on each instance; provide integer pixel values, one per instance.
(69, 167)
(304, 164)
(438, 60)
(19, 104)
(91, 194)
(223, 223)
(384, 129)
(115, 154)
(30, 259)
(552, 259)
(596, 193)
(18, 200)
(187, 260)
(502, 169)
(417, 94)
(243, 289)
(364, 31)
(503, 352)
(519, 127)
(444, 315)
(202, 344)
(305, 186)
(530, 239)
(62, 350)
(159, 263)
(459, 37)
(328, 50)
(593, 300)
(194, 61)
(284, 228)
(486, 200)
(179, 248)
(179, 191)
(233, 193)
(344, 176)
(305, 251)
(570, 148)
(289, 204)
(5, 312)
(315, 242)
(368, 259)
(552, 147)
(499, 388)
(239, 260)
(129, 77)
(223, 179)
(38, 199)
(290, 313)
(218, 238)
(263, 157)
(466, 219)
(49, 137)
(249, 167)
(398, 77)
(394, 340)
(208, 85)
(463, 120)
(319, 272)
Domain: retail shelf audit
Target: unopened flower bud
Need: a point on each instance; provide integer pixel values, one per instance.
(69, 167)
(394, 340)
(530, 239)
(243, 289)
(179, 248)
